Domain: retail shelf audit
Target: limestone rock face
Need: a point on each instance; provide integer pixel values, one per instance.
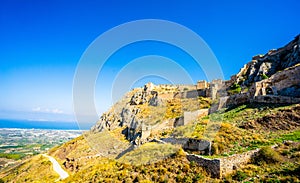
(127, 112)
(270, 63)
(138, 98)
(107, 121)
(154, 100)
(145, 96)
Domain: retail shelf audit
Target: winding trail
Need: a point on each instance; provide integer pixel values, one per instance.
(57, 168)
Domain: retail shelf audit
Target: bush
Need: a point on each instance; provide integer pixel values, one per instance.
(240, 176)
(263, 76)
(235, 89)
(267, 155)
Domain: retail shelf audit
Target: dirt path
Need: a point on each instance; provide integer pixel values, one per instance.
(57, 168)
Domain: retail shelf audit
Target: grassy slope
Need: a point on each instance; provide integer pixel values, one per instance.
(279, 165)
(231, 138)
(35, 169)
(175, 168)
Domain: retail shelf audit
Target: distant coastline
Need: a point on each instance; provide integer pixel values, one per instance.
(49, 125)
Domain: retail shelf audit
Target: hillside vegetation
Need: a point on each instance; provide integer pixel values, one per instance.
(157, 132)
(169, 162)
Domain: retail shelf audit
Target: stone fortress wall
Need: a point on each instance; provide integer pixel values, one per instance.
(220, 167)
(279, 88)
(282, 87)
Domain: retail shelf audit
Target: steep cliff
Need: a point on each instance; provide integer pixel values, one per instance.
(264, 66)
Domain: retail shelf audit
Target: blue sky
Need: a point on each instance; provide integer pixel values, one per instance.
(42, 42)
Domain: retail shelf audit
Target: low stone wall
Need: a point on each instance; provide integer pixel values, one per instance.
(211, 166)
(203, 146)
(190, 116)
(219, 167)
(231, 163)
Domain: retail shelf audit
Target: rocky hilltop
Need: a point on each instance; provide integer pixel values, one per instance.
(145, 111)
(270, 78)
(264, 66)
(157, 133)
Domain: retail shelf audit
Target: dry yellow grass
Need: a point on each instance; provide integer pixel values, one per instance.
(36, 169)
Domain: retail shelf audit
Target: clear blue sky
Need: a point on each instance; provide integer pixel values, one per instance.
(42, 42)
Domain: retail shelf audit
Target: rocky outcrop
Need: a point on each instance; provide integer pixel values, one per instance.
(281, 88)
(263, 66)
(284, 83)
(271, 78)
(147, 95)
(136, 112)
(138, 98)
(71, 164)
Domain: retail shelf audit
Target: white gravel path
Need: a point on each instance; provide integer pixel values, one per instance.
(57, 168)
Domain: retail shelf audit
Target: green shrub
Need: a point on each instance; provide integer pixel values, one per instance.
(267, 155)
(240, 176)
(263, 76)
(235, 89)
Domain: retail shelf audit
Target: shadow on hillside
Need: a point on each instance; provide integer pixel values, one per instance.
(130, 148)
(260, 106)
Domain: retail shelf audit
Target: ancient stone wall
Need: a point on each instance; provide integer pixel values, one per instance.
(212, 166)
(238, 99)
(175, 141)
(218, 168)
(231, 163)
(203, 146)
(184, 87)
(190, 116)
(202, 85)
(193, 93)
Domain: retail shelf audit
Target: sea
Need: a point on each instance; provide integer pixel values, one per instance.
(54, 125)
